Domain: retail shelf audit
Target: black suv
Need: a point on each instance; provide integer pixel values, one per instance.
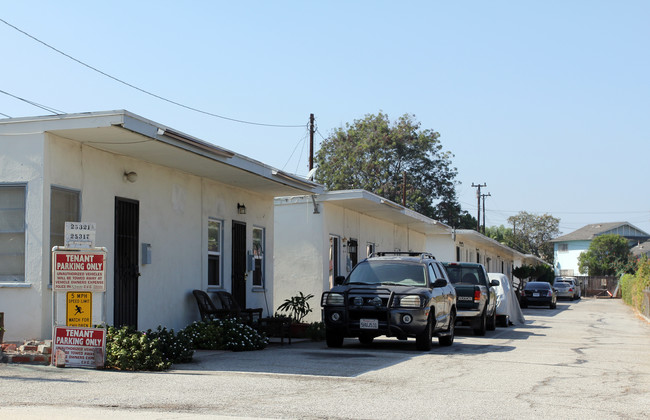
(396, 294)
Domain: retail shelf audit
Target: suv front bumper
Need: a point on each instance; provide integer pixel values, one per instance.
(398, 322)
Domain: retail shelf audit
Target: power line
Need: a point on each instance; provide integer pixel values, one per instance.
(143, 90)
(47, 108)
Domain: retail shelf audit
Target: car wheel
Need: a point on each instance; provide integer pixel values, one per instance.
(482, 325)
(553, 305)
(492, 321)
(333, 339)
(448, 340)
(504, 321)
(366, 339)
(423, 339)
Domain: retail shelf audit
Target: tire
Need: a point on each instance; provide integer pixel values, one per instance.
(366, 339)
(333, 339)
(482, 326)
(448, 340)
(423, 339)
(503, 321)
(492, 321)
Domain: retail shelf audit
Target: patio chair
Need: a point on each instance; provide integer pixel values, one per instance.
(208, 308)
(250, 316)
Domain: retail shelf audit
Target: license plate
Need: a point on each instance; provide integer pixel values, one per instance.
(368, 324)
(535, 294)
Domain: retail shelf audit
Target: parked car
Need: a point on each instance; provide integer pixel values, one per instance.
(508, 310)
(475, 296)
(567, 287)
(396, 294)
(539, 293)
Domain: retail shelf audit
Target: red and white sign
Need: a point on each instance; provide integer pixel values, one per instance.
(83, 347)
(79, 270)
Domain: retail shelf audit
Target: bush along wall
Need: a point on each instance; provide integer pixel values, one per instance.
(634, 285)
(155, 350)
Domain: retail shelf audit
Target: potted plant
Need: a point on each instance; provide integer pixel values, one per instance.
(298, 308)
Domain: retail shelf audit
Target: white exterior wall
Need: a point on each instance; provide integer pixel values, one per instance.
(302, 245)
(568, 260)
(174, 211)
(22, 163)
(441, 246)
(299, 264)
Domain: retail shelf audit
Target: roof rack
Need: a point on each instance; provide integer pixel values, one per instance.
(422, 255)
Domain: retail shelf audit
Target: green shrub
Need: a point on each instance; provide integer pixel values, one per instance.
(128, 349)
(175, 347)
(633, 286)
(316, 331)
(224, 334)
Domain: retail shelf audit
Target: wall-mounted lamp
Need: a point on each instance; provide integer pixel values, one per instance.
(130, 176)
(241, 209)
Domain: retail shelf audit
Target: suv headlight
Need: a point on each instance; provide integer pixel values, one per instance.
(408, 301)
(332, 299)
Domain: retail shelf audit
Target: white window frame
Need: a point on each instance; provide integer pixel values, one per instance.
(215, 253)
(12, 228)
(259, 256)
(59, 230)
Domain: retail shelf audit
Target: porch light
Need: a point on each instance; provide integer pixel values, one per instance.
(241, 209)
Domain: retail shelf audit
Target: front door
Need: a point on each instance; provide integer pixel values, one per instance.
(239, 263)
(127, 225)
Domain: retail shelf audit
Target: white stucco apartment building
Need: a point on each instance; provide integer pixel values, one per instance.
(321, 236)
(204, 216)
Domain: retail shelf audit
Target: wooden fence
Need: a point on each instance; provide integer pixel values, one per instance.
(599, 286)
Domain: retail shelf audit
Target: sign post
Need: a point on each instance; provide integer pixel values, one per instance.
(79, 273)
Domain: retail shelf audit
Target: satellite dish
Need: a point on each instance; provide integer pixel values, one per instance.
(311, 173)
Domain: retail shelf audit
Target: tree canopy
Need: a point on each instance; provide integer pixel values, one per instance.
(530, 234)
(375, 155)
(607, 255)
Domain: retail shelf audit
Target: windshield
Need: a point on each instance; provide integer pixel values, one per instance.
(388, 272)
(468, 275)
(534, 285)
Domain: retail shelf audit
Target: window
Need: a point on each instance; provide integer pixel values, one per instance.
(214, 252)
(64, 207)
(12, 233)
(334, 259)
(562, 247)
(258, 257)
(370, 249)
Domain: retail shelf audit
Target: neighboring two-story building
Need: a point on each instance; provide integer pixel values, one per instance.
(567, 248)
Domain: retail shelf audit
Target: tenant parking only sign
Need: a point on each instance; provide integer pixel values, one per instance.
(79, 347)
(79, 270)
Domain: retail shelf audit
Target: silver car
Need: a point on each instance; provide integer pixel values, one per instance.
(567, 287)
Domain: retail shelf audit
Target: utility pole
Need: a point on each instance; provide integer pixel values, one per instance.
(311, 141)
(483, 197)
(404, 188)
(478, 200)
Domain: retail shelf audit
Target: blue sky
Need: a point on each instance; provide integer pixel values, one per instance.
(545, 101)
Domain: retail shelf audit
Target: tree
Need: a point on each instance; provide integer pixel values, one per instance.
(607, 255)
(373, 155)
(532, 234)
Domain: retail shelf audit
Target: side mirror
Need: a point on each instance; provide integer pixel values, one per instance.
(440, 283)
(338, 280)
(494, 283)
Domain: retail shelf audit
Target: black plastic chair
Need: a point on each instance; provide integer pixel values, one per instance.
(208, 309)
(250, 316)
